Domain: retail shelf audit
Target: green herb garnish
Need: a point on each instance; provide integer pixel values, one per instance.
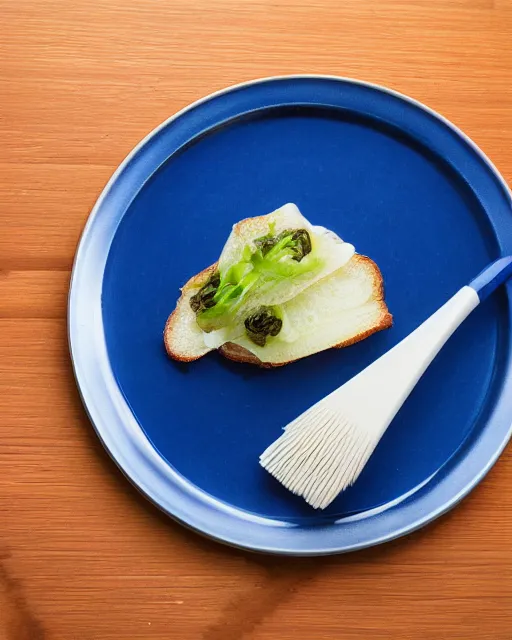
(269, 260)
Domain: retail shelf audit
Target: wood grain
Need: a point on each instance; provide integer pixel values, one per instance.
(82, 555)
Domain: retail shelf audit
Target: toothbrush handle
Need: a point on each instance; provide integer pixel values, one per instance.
(378, 392)
(491, 277)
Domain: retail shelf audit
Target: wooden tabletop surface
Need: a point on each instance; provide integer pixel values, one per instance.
(82, 555)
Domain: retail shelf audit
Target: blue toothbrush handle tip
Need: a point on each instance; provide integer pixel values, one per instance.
(492, 277)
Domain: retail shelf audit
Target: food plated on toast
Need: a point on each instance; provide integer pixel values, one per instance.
(281, 290)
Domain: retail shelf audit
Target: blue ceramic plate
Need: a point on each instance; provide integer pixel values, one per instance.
(384, 172)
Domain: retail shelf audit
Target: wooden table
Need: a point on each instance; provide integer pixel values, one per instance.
(82, 556)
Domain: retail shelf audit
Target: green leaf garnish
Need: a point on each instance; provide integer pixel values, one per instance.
(265, 262)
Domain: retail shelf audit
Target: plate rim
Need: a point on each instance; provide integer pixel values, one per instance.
(199, 494)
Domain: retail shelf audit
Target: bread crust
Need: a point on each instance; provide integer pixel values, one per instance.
(235, 352)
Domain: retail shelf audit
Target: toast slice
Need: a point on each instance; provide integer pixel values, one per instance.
(336, 311)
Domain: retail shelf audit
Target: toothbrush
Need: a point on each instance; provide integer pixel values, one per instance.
(324, 450)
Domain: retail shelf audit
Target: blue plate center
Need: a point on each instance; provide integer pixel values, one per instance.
(384, 192)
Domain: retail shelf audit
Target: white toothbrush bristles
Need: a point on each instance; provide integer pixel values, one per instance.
(324, 450)
(320, 454)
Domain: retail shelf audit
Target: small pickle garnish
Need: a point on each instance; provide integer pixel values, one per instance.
(297, 242)
(204, 298)
(262, 323)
